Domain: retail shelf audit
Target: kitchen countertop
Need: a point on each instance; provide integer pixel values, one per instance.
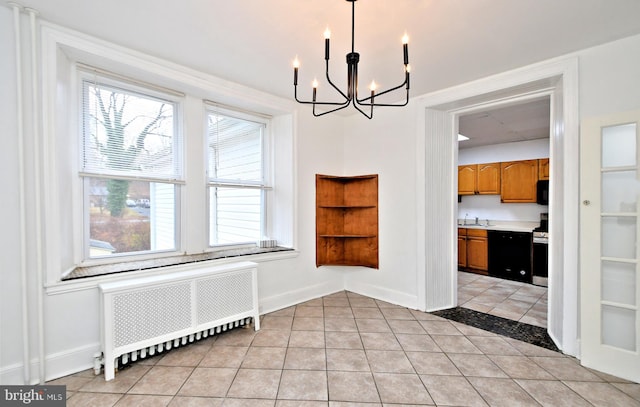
(512, 226)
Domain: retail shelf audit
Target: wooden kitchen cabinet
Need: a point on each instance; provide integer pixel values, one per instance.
(467, 179)
(477, 249)
(543, 169)
(347, 220)
(479, 179)
(462, 247)
(473, 250)
(518, 179)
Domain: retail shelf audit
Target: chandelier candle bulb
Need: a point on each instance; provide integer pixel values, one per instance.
(327, 36)
(315, 89)
(296, 65)
(405, 48)
(372, 87)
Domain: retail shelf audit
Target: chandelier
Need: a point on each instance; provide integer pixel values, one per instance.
(351, 97)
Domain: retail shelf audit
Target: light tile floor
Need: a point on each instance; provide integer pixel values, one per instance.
(348, 350)
(503, 298)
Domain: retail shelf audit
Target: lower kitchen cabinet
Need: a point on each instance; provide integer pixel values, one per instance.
(462, 247)
(473, 250)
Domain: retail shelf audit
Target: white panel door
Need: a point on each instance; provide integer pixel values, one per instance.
(609, 236)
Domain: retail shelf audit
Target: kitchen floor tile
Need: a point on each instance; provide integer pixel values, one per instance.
(255, 383)
(431, 363)
(162, 380)
(513, 300)
(602, 394)
(452, 391)
(401, 389)
(208, 382)
(352, 360)
(411, 342)
(303, 385)
(552, 393)
(352, 386)
(476, 365)
(502, 392)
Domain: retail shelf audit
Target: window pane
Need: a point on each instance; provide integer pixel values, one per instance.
(130, 216)
(619, 145)
(235, 149)
(129, 134)
(619, 191)
(619, 282)
(235, 215)
(619, 237)
(619, 327)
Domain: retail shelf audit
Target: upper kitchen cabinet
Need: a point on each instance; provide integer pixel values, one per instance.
(467, 179)
(519, 179)
(479, 179)
(543, 168)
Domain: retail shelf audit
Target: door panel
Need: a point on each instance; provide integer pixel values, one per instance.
(610, 253)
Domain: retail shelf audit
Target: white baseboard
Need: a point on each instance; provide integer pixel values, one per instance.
(58, 365)
(383, 294)
(280, 301)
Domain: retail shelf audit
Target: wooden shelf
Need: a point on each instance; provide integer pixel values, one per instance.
(347, 206)
(347, 220)
(349, 236)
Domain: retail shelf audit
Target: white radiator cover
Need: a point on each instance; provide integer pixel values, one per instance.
(144, 312)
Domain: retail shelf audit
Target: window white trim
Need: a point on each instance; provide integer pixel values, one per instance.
(61, 50)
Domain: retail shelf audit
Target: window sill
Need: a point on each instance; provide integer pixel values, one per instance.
(90, 277)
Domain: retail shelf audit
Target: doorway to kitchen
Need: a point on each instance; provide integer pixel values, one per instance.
(436, 192)
(502, 209)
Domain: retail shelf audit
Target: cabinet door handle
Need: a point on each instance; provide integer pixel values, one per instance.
(586, 202)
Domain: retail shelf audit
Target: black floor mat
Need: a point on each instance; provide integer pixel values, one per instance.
(513, 329)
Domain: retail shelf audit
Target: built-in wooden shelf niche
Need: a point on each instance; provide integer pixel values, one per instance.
(347, 220)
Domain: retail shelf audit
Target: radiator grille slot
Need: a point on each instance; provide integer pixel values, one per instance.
(148, 315)
(223, 296)
(160, 311)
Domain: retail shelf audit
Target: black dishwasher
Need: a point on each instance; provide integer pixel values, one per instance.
(510, 255)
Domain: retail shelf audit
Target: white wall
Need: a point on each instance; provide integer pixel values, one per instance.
(386, 146)
(10, 299)
(489, 206)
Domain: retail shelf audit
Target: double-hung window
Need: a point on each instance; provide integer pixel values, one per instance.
(237, 177)
(131, 168)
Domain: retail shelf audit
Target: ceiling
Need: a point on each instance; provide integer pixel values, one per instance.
(253, 42)
(516, 122)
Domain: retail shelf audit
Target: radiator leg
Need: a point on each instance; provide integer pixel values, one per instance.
(109, 369)
(143, 353)
(134, 356)
(125, 359)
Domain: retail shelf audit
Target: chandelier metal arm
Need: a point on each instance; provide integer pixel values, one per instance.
(331, 82)
(361, 101)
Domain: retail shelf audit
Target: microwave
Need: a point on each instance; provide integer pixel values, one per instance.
(542, 196)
